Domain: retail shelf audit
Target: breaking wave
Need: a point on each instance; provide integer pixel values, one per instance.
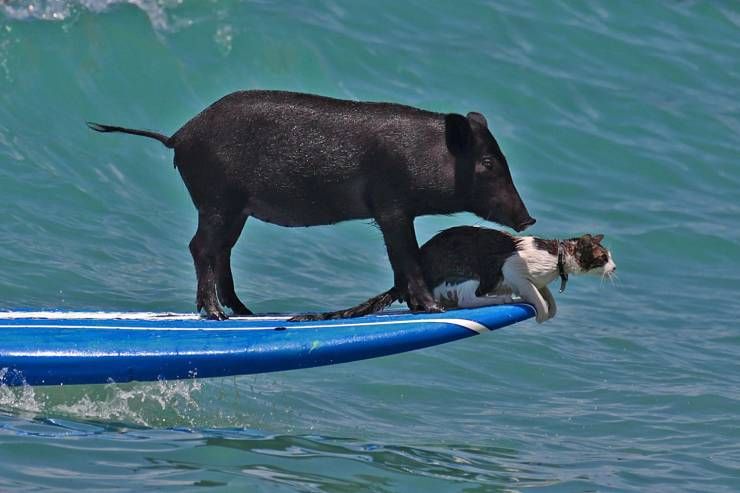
(61, 10)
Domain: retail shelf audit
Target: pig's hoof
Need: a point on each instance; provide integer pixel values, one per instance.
(215, 314)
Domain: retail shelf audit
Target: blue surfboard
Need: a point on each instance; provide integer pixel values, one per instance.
(51, 348)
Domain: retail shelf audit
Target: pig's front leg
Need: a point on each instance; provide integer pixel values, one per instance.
(403, 252)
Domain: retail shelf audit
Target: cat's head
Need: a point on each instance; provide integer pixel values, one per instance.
(591, 257)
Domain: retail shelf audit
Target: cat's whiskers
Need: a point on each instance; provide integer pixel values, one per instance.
(611, 276)
(614, 278)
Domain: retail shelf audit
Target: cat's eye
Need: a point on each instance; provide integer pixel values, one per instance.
(487, 161)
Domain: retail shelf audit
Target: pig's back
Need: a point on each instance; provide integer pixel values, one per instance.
(265, 116)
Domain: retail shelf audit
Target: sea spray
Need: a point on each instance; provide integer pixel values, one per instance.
(61, 10)
(20, 398)
(161, 403)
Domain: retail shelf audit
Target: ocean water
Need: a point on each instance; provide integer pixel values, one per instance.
(619, 118)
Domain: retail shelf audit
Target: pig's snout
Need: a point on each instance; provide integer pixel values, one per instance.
(525, 223)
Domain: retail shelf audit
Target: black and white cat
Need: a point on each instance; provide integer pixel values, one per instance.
(468, 266)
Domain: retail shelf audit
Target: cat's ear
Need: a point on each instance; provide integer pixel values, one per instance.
(598, 238)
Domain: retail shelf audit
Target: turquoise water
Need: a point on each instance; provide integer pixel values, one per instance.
(619, 118)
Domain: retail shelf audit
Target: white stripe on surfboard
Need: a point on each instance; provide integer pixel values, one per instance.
(97, 354)
(149, 316)
(468, 324)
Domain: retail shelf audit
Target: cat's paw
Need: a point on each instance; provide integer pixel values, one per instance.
(543, 314)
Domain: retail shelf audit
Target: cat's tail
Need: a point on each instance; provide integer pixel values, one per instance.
(373, 305)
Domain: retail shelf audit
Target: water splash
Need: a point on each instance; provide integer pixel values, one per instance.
(60, 10)
(20, 398)
(223, 38)
(162, 403)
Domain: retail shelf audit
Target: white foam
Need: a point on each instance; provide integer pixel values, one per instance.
(22, 397)
(60, 10)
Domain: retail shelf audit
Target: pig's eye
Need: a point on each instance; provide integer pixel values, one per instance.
(487, 161)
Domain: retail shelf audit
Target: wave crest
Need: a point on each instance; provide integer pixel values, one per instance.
(60, 10)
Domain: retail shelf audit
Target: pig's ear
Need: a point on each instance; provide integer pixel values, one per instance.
(458, 134)
(478, 118)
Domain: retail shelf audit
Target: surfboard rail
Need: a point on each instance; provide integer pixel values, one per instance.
(52, 348)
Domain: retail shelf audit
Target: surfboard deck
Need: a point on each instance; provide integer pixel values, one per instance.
(52, 348)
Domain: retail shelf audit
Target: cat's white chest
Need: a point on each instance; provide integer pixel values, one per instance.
(531, 263)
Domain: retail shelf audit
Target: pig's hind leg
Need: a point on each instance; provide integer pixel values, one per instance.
(224, 278)
(211, 249)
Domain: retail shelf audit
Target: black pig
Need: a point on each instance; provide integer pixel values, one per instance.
(303, 160)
